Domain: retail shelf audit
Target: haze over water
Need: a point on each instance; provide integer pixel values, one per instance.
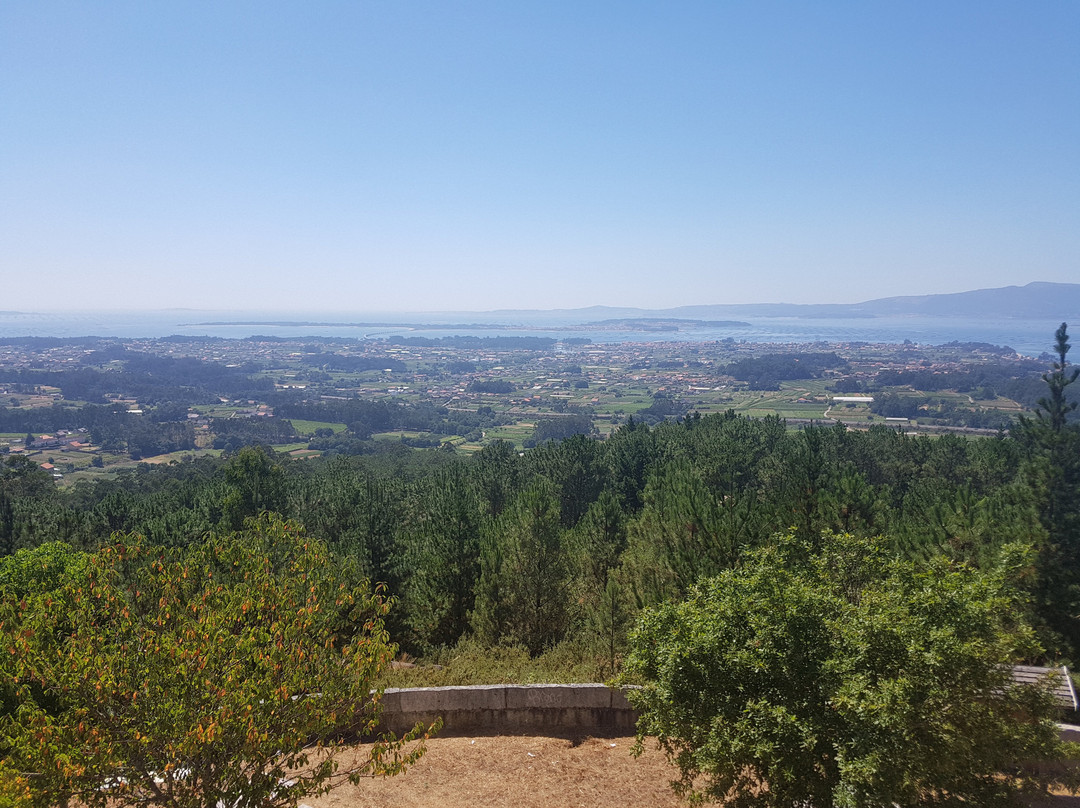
(1027, 336)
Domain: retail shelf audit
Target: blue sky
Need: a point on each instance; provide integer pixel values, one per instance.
(477, 155)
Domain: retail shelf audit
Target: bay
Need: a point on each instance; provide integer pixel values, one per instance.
(1027, 336)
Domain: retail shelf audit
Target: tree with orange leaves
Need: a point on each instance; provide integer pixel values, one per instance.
(226, 674)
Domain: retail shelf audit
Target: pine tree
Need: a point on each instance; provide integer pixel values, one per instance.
(522, 596)
(1055, 408)
(445, 544)
(1054, 444)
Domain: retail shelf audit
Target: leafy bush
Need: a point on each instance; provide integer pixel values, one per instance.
(227, 673)
(832, 675)
(472, 662)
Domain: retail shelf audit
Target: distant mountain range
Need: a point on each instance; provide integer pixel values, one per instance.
(1035, 301)
(1038, 300)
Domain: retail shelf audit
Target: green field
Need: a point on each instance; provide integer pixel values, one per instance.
(513, 433)
(308, 428)
(398, 434)
(12, 438)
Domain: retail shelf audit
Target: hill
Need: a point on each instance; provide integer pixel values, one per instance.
(1038, 300)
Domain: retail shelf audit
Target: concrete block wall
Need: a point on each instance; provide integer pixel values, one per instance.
(569, 708)
(594, 708)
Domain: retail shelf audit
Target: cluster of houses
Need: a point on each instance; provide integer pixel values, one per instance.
(64, 440)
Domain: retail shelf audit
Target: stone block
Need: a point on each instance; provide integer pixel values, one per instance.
(552, 697)
(509, 708)
(619, 700)
(446, 699)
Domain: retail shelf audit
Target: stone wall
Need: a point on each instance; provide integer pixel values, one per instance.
(539, 709)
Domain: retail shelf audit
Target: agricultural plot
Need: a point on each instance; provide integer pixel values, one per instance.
(514, 433)
(12, 438)
(398, 434)
(607, 383)
(307, 428)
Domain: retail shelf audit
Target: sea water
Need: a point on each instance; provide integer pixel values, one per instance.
(1031, 337)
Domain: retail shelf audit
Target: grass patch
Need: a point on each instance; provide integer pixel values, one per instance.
(398, 434)
(470, 663)
(514, 434)
(307, 428)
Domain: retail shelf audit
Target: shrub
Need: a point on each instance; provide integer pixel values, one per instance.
(828, 674)
(227, 673)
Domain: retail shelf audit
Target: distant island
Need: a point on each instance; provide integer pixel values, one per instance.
(319, 324)
(658, 324)
(621, 324)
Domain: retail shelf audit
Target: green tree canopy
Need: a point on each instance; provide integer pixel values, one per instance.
(828, 674)
(522, 594)
(227, 673)
(1053, 470)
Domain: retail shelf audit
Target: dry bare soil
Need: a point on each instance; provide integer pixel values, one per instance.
(520, 771)
(532, 772)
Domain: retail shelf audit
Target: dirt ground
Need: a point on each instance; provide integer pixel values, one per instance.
(532, 772)
(519, 771)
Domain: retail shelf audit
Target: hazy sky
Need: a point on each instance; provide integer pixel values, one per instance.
(475, 155)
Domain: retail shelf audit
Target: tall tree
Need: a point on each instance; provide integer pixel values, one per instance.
(523, 589)
(685, 532)
(254, 476)
(444, 541)
(1054, 444)
(604, 605)
(572, 465)
(1056, 407)
(498, 475)
(7, 525)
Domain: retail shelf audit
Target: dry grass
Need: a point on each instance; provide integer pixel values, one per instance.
(520, 771)
(533, 772)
